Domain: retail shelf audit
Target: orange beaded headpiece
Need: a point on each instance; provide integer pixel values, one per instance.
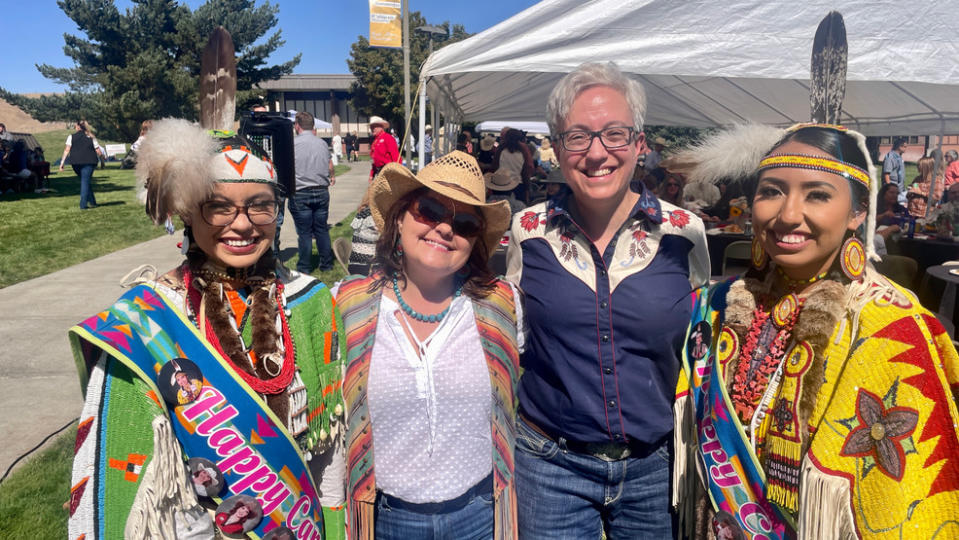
(803, 161)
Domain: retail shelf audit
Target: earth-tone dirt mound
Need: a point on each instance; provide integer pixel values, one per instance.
(16, 119)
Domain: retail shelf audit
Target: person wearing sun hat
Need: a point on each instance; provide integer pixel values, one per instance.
(433, 362)
(252, 347)
(383, 149)
(655, 155)
(501, 188)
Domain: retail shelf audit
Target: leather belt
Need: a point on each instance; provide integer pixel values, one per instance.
(606, 451)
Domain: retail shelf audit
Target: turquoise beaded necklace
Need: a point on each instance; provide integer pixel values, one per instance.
(416, 314)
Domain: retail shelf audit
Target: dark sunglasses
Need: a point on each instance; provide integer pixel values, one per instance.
(429, 211)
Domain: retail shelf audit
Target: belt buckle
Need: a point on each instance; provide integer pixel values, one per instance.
(611, 451)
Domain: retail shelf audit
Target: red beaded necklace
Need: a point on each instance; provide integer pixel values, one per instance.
(277, 384)
(750, 381)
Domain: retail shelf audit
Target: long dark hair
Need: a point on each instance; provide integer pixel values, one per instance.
(479, 279)
(512, 140)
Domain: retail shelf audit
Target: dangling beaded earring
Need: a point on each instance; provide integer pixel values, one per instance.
(758, 254)
(852, 258)
(185, 244)
(398, 249)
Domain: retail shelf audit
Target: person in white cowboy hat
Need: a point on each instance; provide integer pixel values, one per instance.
(433, 362)
(383, 149)
(487, 151)
(427, 144)
(501, 186)
(655, 155)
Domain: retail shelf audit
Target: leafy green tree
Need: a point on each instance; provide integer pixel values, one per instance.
(145, 62)
(378, 89)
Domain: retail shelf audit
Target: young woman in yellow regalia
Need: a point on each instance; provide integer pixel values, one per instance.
(824, 406)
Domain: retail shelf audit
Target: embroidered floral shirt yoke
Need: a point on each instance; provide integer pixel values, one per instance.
(605, 329)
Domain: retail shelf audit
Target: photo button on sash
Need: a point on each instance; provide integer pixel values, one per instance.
(205, 476)
(180, 381)
(238, 515)
(280, 533)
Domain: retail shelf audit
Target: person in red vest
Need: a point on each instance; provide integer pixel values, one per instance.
(383, 149)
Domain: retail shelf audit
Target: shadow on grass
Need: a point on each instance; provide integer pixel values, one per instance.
(68, 188)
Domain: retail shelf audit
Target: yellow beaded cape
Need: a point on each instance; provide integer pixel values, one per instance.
(883, 452)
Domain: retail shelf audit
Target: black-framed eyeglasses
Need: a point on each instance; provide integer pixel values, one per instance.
(222, 213)
(578, 140)
(429, 211)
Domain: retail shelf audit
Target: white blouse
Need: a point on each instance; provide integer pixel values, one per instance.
(430, 404)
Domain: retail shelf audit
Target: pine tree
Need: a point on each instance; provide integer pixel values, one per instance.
(144, 63)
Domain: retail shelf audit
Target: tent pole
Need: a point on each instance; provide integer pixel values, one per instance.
(422, 143)
(936, 166)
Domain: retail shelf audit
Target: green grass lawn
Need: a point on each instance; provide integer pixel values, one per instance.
(42, 233)
(32, 498)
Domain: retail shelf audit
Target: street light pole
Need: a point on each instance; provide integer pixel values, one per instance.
(406, 75)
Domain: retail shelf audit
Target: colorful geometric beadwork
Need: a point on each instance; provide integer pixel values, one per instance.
(758, 254)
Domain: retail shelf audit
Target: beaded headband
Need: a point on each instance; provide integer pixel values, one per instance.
(817, 163)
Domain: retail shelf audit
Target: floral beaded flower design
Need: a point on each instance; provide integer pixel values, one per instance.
(880, 434)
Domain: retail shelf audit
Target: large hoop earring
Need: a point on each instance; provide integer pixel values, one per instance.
(758, 255)
(852, 259)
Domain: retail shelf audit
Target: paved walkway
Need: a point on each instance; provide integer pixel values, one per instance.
(39, 389)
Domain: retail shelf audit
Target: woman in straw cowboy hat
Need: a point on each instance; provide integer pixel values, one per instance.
(433, 349)
(824, 405)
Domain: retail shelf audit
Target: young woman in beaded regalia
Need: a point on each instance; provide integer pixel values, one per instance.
(824, 406)
(257, 345)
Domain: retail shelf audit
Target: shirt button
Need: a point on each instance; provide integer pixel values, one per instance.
(605, 338)
(602, 272)
(612, 404)
(608, 371)
(603, 304)
(617, 436)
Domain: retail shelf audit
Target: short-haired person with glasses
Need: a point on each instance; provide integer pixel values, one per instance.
(606, 273)
(310, 203)
(230, 357)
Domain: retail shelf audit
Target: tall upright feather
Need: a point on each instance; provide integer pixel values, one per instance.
(218, 82)
(828, 70)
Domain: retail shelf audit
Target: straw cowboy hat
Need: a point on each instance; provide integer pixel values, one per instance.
(456, 176)
(487, 142)
(378, 121)
(660, 140)
(501, 181)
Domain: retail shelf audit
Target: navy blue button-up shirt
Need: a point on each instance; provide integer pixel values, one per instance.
(605, 329)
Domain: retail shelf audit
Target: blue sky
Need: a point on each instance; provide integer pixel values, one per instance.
(322, 30)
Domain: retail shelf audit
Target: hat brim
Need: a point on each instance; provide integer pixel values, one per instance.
(510, 186)
(394, 181)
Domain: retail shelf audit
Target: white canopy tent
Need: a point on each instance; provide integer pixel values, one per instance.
(706, 63)
(498, 125)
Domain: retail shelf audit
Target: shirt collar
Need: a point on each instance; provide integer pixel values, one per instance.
(647, 206)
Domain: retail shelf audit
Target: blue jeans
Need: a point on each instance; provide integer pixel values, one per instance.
(564, 495)
(472, 522)
(310, 209)
(85, 172)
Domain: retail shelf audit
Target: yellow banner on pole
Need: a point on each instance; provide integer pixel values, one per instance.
(386, 23)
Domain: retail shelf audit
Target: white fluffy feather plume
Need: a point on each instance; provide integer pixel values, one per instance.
(734, 153)
(174, 168)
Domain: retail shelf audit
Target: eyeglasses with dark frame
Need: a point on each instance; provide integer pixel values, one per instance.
(432, 212)
(222, 213)
(579, 140)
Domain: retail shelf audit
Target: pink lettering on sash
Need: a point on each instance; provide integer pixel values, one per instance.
(255, 477)
(274, 497)
(724, 475)
(243, 461)
(204, 404)
(218, 418)
(751, 510)
(225, 441)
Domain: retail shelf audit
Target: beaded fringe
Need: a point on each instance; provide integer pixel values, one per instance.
(164, 488)
(824, 512)
(785, 456)
(684, 480)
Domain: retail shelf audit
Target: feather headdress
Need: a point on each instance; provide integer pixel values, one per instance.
(175, 168)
